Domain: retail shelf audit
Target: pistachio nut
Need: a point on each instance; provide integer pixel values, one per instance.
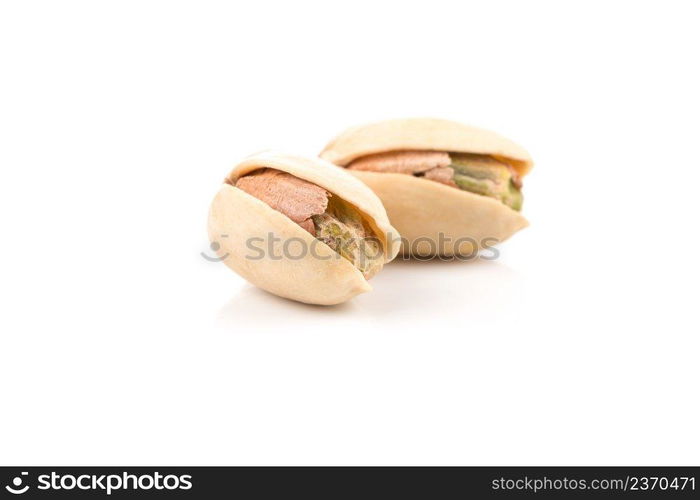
(448, 188)
(300, 228)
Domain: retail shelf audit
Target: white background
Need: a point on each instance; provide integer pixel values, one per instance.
(121, 345)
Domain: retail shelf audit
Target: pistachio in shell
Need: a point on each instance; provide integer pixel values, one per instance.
(300, 228)
(450, 189)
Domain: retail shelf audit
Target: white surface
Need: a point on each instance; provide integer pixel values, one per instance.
(121, 345)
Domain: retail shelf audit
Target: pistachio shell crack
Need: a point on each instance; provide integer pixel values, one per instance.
(479, 174)
(402, 162)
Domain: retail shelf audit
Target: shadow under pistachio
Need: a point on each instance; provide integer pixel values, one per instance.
(405, 290)
(256, 306)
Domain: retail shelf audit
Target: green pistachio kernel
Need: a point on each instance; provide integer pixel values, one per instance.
(343, 229)
(488, 177)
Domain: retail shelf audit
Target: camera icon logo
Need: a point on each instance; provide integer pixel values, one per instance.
(17, 483)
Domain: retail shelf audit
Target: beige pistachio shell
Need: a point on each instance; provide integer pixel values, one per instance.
(421, 209)
(424, 210)
(296, 266)
(424, 134)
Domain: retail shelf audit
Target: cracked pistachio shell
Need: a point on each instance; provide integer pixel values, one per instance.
(421, 209)
(309, 270)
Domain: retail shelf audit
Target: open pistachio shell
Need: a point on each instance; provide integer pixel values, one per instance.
(433, 218)
(274, 253)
